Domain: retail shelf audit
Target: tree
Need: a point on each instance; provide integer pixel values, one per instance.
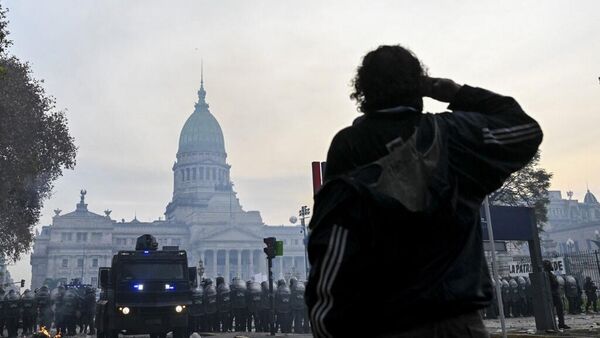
(4, 41)
(35, 146)
(527, 187)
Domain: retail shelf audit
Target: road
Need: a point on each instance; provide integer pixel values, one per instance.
(583, 325)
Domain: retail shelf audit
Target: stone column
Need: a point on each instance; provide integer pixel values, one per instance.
(251, 258)
(202, 254)
(226, 276)
(214, 265)
(239, 263)
(281, 266)
(263, 262)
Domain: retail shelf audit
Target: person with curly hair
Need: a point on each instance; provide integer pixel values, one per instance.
(402, 193)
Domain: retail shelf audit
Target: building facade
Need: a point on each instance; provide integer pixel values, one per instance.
(5, 278)
(204, 217)
(572, 225)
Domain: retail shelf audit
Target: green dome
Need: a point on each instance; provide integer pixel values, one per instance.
(201, 132)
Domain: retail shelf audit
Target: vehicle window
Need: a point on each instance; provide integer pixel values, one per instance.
(144, 271)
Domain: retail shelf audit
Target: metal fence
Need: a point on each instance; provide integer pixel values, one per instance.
(583, 264)
(580, 264)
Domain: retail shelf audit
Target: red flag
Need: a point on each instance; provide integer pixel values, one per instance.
(316, 176)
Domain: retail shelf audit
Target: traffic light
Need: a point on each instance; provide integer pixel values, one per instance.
(22, 283)
(304, 211)
(279, 248)
(270, 249)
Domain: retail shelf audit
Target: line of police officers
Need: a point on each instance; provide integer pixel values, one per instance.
(517, 296)
(240, 306)
(246, 306)
(63, 308)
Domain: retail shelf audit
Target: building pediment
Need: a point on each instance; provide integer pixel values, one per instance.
(231, 234)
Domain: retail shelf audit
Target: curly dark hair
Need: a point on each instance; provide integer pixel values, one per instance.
(389, 76)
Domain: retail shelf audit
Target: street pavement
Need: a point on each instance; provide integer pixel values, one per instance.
(583, 325)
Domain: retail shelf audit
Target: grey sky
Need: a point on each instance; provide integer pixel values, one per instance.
(277, 75)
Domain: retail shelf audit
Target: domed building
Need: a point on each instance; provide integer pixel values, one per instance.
(573, 225)
(203, 217)
(590, 199)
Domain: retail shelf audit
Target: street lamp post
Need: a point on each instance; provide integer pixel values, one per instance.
(304, 213)
(570, 245)
(83, 265)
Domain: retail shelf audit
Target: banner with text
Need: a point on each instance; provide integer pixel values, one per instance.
(523, 269)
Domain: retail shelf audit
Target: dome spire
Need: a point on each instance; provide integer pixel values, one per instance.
(201, 105)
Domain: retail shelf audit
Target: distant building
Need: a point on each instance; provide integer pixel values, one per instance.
(572, 225)
(204, 217)
(5, 279)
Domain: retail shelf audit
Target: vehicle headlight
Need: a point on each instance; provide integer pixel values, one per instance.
(125, 310)
(178, 308)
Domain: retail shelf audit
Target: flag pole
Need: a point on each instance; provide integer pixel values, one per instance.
(488, 220)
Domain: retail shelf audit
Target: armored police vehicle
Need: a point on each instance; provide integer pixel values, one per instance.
(146, 291)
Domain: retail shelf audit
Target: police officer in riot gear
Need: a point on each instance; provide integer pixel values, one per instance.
(571, 291)
(12, 312)
(299, 311)
(265, 308)
(28, 309)
(283, 309)
(88, 308)
(506, 297)
(590, 288)
(196, 313)
(44, 306)
(253, 294)
(529, 294)
(522, 295)
(57, 297)
(491, 312)
(71, 305)
(556, 299)
(239, 309)
(224, 304)
(210, 306)
(515, 305)
(2, 316)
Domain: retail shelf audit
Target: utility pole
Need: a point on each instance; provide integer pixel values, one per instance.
(83, 264)
(488, 221)
(304, 213)
(270, 252)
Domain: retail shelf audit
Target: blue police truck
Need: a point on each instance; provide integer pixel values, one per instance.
(145, 291)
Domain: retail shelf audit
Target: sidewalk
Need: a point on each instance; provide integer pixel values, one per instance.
(582, 325)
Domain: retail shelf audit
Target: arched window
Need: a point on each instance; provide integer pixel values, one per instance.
(187, 174)
(182, 174)
(214, 173)
(201, 172)
(194, 174)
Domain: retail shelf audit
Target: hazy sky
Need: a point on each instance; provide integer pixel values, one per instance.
(277, 74)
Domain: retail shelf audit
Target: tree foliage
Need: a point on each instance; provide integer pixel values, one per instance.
(4, 41)
(527, 187)
(35, 146)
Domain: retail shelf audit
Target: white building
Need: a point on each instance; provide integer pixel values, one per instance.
(5, 279)
(204, 217)
(572, 225)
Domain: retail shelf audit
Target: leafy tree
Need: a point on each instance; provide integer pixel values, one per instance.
(4, 41)
(527, 187)
(35, 146)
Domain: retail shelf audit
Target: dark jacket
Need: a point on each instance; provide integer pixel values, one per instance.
(360, 233)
